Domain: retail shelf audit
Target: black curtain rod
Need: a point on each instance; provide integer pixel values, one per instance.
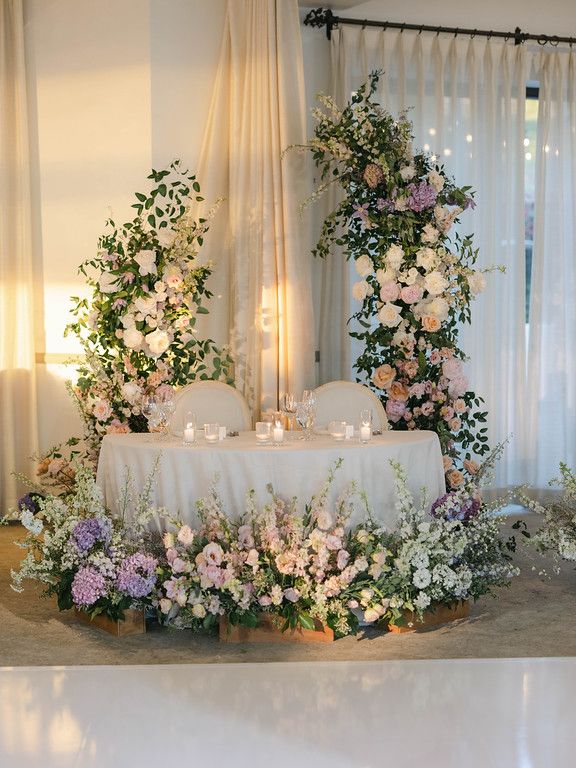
(323, 17)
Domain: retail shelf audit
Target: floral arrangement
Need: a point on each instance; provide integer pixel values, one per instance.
(299, 567)
(85, 557)
(138, 329)
(415, 281)
(558, 532)
(451, 553)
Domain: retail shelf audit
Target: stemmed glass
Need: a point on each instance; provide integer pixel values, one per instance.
(305, 414)
(158, 410)
(290, 404)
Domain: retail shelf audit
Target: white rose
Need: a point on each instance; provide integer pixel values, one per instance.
(429, 234)
(389, 315)
(107, 282)
(165, 236)
(146, 261)
(364, 265)
(198, 611)
(438, 307)
(477, 282)
(435, 283)
(385, 276)
(436, 181)
(133, 338)
(410, 277)
(407, 172)
(128, 320)
(362, 289)
(146, 305)
(186, 535)
(394, 256)
(427, 258)
(131, 392)
(158, 341)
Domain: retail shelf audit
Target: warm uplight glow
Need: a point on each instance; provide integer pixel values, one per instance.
(57, 316)
(468, 137)
(426, 147)
(546, 148)
(447, 152)
(432, 131)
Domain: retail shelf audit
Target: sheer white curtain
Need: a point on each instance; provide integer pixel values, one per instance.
(552, 338)
(18, 429)
(258, 110)
(466, 100)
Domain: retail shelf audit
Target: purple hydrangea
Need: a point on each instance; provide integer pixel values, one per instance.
(451, 507)
(88, 586)
(137, 575)
(421, 196)
(87, 532)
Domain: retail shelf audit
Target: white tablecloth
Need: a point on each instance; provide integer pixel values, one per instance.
(296, 468)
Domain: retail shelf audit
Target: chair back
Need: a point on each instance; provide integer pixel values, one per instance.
(211, 401)
(343, 401)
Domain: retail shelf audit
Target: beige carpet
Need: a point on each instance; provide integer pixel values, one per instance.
(535, 617)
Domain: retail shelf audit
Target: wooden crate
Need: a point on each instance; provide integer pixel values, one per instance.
(442, 614)
(269, 630)
(133, 623)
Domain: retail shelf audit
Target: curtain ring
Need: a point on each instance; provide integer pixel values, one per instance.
(402, 28)
(456, 33)
(473, 35)
(421, 30)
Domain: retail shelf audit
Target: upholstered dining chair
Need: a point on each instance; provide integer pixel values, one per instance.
(211, 401)
(343, 401)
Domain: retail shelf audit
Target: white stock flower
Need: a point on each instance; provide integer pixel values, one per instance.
(158, 341)
(394, 256)
(364, 265)
(435, 283)
(477, 282)
(389, 315)
(146, 261)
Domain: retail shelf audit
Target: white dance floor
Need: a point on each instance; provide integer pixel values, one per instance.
(510, 713)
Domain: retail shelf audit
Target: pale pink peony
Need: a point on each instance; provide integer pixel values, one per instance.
(389, 291)
(410, 294)
(395, 410)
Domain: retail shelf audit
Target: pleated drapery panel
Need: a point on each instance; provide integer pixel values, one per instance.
(18, 418)
(466, 99)
(257, 111)
(552, 338)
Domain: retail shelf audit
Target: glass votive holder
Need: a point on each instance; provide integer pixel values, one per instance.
(337, 429)
(189, 428)
(278, 434)
(211, 433)
(263, 431)
(365, 425)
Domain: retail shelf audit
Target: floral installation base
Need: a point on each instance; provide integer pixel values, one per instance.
(269, 630)
(133, 622)
(441, 614)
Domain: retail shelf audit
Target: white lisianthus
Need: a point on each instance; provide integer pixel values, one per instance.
(427, 258)
(133, 338)
(394, 256)
(389, 315)
(131, 392)
(362, 289)
(436, 180)
(477, 282)
(429, 234)
(107, 282)
(435, 283)
(158, 342)
(146, 305)
(146, 261)
(364, 265)
(407, 172)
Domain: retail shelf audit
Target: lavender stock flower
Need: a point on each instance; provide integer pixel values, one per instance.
(452, 507)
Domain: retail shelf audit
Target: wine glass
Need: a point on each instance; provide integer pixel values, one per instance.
(166, 407)
(290, 404)
(305, 417)
(151, 412)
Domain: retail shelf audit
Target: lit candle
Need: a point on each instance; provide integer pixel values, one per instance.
(189, 435)
(278, 434)
(365, 433)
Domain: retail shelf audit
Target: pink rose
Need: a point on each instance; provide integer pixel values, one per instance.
(410, 294)
(395, 410)
(455, 424)
(471, 466)
(427, 408)
(460, 405)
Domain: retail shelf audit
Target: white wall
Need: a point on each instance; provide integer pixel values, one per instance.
(116, 86)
